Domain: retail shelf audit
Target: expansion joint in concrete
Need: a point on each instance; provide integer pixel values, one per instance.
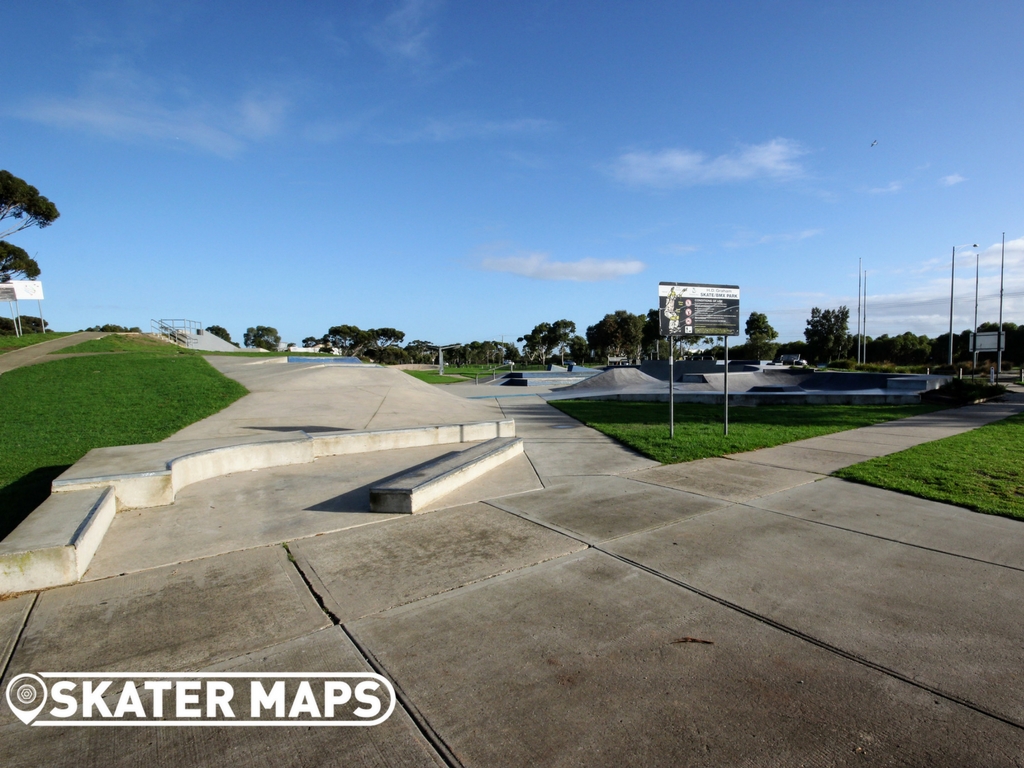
(854, 657)
(422, 724)
(886, 538)
(5, 663)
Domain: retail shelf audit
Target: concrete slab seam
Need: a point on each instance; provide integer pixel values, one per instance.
(320, 593)
(5, 662)
(818, 642)
(444, 752)
(883, 538)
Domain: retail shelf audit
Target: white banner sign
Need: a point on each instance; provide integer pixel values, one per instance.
(27, 289)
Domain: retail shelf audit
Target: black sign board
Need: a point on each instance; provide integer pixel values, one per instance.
(7, 293)
(690, 309)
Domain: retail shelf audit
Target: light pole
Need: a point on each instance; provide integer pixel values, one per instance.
(974, 330)
(999, 330)
(952, 272)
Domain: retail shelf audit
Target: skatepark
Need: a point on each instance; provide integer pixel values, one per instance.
(574, 603)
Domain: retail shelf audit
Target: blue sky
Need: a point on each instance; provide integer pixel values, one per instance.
(467, 170)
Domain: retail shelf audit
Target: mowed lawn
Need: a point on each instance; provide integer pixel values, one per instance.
(982, 469)
(644, 426)
(55, 412)
(10, 343)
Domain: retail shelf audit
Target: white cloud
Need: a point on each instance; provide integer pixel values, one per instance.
(405, 32)
(954, 178)
(775, 159)
(540, 267)
(122, 104)
(679, 248)
(891, 188)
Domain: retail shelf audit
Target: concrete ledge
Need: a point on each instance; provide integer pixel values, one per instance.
(412, 491)
(342, 443)
(55, 544)
(203, 465)
(165, 468)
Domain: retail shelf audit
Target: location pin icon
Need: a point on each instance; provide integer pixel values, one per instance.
(24, 691)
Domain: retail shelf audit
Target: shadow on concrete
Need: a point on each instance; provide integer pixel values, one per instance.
(306, 429)
(20, 498)
(358, 499)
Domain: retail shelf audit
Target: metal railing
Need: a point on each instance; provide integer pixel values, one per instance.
(180, 332)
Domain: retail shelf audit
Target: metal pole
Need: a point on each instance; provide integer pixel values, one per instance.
(10, 305)
(726, 388)
(999, 331)
(974, 331)
(671, 387)
(865, 315)
(952, 269)
(17, 308)
(42, 323)
(860, 267)
(440, 361)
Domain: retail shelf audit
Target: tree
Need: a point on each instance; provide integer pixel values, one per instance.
(23, 203)
(652, 329)
(537, 343)
(262, 337)
(620, 333)
(220, 332)
(559, 335)
(760, 336)
(14, 261)
(579, 349)
(382, 338)
(827, 334)
(350, 339)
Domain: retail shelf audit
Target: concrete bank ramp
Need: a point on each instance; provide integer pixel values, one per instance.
(320, 398)
(616, 378)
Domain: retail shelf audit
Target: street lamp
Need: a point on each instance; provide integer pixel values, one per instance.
(952, 272)
(999, 330)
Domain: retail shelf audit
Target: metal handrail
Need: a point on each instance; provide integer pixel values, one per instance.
(180, 332)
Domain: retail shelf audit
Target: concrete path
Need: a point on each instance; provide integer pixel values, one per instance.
(588, 608)
(41, 352)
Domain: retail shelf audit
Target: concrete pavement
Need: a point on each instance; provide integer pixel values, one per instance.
(587, 607)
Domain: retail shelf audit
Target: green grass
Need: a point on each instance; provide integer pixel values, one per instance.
(10, 343)
(120, 343)
(982, 469)
(644, 426)
(56, 412)
(432, 377)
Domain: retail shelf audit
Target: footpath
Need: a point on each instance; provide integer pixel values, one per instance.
(580, 605)
(43, 351)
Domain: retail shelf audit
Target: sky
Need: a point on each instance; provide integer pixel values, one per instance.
(464, 171)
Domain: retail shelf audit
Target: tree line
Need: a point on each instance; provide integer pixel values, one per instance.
(633, 337)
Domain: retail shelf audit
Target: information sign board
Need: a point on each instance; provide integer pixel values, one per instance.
(988, 342)
(7, 292)
(27, 289)
(691, 309)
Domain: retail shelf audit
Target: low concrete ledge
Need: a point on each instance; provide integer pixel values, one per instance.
(412, 491)
(342, 443)
(203, 465)
(55, 544)
(157, 471)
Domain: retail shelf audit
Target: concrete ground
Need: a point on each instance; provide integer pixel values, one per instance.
(584, 606)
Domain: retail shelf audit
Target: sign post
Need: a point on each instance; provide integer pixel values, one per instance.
(695, 310)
